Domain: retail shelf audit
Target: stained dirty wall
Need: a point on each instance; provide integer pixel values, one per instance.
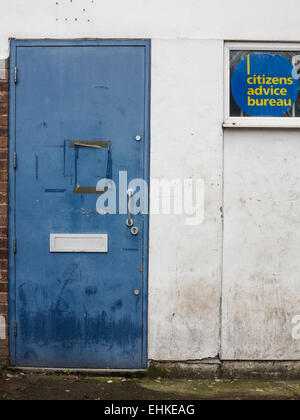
(186, 142)
(260, 288)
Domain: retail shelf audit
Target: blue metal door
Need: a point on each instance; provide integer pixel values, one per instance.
(78, 279)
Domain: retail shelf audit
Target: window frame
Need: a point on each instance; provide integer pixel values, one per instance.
(255, 122)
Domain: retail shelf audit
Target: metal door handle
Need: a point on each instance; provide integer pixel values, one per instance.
(129, 221)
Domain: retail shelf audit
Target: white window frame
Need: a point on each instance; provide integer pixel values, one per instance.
(260, 122)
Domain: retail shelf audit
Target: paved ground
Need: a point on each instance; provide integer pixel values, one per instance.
(20, 386)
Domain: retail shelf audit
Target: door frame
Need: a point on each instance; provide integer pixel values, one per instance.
(14, 44)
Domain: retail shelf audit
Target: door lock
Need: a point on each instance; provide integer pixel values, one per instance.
(134, 231)
(137, 292)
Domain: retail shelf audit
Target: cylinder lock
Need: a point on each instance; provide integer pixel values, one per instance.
(134, 231)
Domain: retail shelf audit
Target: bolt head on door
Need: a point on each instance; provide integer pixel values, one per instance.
(129, 223)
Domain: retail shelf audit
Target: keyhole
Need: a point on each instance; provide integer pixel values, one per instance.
(134, 231)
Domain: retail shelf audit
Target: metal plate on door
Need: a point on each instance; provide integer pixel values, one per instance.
(78, 242)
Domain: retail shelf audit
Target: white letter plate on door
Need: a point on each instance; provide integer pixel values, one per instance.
(63, 242)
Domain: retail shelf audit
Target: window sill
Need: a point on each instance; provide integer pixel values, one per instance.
(262, 123)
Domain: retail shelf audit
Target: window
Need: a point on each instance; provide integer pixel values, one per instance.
(262, 87)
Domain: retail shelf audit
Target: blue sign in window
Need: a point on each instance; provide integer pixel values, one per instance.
(264, 84)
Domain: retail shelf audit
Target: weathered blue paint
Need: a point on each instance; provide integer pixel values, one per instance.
(77, 309)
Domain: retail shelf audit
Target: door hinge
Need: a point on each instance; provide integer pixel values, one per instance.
(15, 329)
(16, 75)
(15, 245)
(15, 160)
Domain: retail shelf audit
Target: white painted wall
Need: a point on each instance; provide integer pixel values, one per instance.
(261, 287)
(261, 241)
(156, 19)
(186, 141)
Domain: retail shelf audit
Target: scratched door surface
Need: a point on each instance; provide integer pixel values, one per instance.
(76, 109)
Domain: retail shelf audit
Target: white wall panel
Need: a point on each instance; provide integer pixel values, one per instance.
(177, 19)
(261, 293)
(186, 142)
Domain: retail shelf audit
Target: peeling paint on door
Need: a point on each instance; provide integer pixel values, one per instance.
(75, 300)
